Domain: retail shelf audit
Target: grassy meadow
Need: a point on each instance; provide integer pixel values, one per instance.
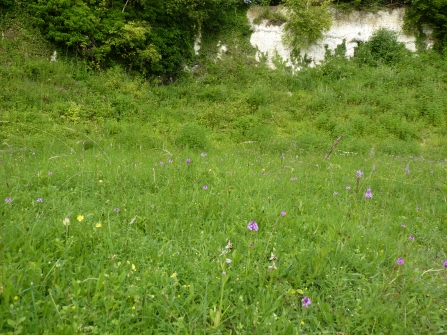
(206, 205)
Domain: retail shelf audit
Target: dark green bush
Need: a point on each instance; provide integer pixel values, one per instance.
(382, 48)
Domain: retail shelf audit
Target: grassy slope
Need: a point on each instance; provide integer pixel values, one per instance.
(394, 110)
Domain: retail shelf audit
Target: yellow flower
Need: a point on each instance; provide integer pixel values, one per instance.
(302, 323)
(134, 268)
(80, 218)
(133, 307)
(73, 308)
(16, 298)
(174, 275)
(98, 225)
(100, 181)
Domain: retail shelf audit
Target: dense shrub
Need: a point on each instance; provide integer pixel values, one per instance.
(383, 47)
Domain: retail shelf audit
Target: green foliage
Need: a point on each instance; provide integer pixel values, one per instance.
(382, 47)
(192, 135)
(431, 13)
(306, 21)
(151, 37)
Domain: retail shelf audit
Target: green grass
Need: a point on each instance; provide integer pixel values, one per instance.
(148, 252)
(156, 265)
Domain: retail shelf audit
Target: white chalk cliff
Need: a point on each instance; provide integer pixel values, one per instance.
(352, 27)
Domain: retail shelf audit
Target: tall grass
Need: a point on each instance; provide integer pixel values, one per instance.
(117, 240)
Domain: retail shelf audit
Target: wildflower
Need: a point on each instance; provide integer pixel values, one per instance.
(228, 261)
(80, 218)
(407, 170)
(205, 187)
(116, 209)
(359, 174)
(8, 199)
(134, 268)
(39, 200)
(66, 222)
(335, 193)
(368, 194)
(229, 245)
(400, 261)
(302, 323)
(419, 208)
(174, 275)
(411, 237)
(224, 274)
(162, 163)
(348, 187)
(203, 154)
(188, 160)
(170, 161)
(283, 213)
(403, 226)
(306, 302)
(253, 226)
(98, 225)
(445, 263)
(50, 172)
(273, 266)
(293, 178)
(273, 257)
(16, 298)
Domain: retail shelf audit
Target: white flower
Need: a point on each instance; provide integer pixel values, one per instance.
(228, 261)
(273, 266)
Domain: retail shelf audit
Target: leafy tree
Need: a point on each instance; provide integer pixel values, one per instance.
(306, 22)
(431, 13)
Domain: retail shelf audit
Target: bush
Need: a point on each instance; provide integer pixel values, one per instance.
(192, 135)
(382, 48)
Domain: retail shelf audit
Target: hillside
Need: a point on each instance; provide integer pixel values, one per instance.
(385, 99)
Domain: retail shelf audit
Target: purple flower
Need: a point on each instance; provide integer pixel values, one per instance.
(348, 187)
(283, 213)
(50, 172)
(203, 154)
(117, 210)
(170, 161)
(293, 178)
(419, 208)
(39, 200)
(188, 160)
(205, 187)
(411, 237)
(403, 226)
(306, 302)
(8, 199)
(359, 174)
(368, 194)
(335, 193)
(445, 263)
(162, 163)
(253, 226)
(400, 261)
